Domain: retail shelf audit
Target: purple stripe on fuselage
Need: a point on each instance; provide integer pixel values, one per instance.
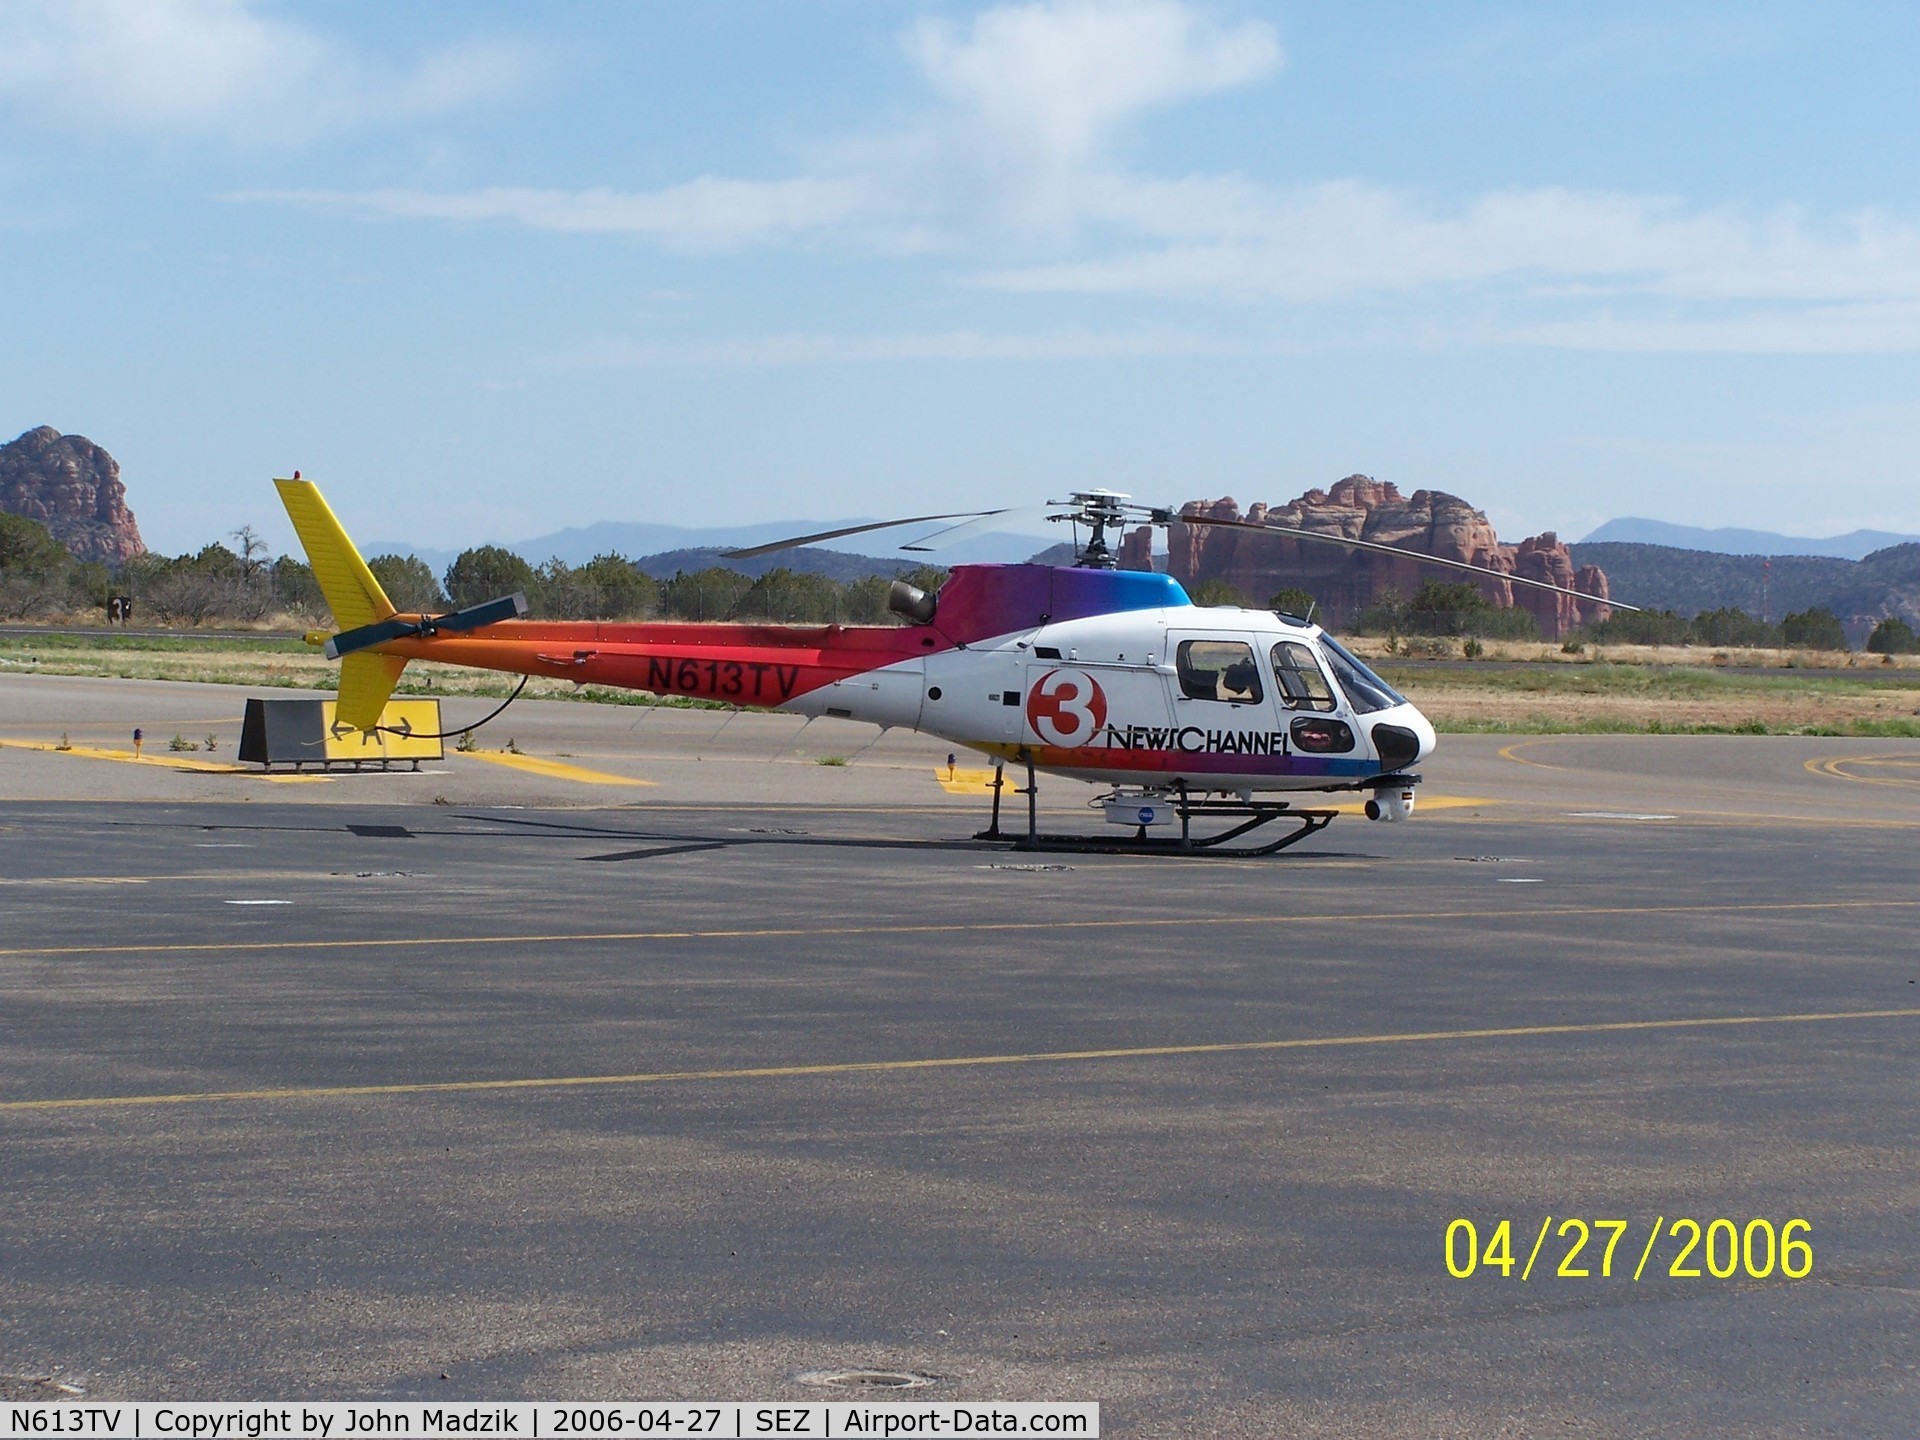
(979, 602)
(1199, 762)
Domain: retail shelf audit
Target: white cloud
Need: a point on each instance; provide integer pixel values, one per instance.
(215, 67)
(1019, 159)
(1058, 79)
(706, 213)
(1348, 241)
(1037, 93)
(1034, 94)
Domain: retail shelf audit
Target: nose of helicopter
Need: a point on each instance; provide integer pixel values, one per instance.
(1423, 728)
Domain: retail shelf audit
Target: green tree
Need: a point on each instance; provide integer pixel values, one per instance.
(864, 602)
(1730, 626)
(27, 548)
(1439, 608)
(704, 595)
(1384, 614)
(409, 583)
(35, 569)
(1292, 600)
(1218, 592)
(486, 573)
(790, 596)
(294, 585)
(607, 587)
(1815, 629)
(216, 562)
(621, 592)
(1893, 636)
(1642, 627)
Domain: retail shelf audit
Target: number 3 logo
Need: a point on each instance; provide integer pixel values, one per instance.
(1066, 707)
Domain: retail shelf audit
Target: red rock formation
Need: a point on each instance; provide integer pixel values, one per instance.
(72, 486)
(1345, 582)
(1136, 549)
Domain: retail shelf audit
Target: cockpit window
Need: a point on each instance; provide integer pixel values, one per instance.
(1302, 686)
(1218, 670)
(1366, 691)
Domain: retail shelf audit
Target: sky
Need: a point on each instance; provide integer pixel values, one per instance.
(488, 270)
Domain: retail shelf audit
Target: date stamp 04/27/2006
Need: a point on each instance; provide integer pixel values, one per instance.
(1724, 1249)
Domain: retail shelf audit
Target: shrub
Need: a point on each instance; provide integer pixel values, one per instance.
(1893, 636)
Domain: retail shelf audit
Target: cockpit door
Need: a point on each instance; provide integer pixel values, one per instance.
(1218, 682)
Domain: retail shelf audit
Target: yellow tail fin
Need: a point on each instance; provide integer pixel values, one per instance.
(354, 596)
(366, 682)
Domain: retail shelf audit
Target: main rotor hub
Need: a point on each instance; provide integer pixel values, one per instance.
(1097, 510)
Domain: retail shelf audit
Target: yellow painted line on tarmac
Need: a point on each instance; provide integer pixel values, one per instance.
(168, 760)
(950, 1062)
(965, 927)
(186, 877)
(1682, 819)
(1834, 766)
(1425, 805)
(552, 769)
(78, 880)
(1510, 752)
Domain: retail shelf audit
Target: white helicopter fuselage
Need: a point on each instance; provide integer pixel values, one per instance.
(1201, 698)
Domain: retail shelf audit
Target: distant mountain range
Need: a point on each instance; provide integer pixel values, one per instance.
(1634, 530)
(1660, 577)
(640, 541)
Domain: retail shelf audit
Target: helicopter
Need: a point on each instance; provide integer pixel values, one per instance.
(1186, 713)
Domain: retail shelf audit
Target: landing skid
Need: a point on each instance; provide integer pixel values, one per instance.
(1252, 815)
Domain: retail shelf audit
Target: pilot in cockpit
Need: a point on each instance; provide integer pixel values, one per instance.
(1240, 683)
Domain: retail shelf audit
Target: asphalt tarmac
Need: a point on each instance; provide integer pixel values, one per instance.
(495, 1082)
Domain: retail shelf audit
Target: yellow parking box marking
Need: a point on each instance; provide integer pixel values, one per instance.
(408, 730)
(962, 781)
(552, 769)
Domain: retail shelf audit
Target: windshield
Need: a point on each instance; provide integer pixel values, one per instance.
(1366, 690)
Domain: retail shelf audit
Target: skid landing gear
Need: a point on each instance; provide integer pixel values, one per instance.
(1252, 815)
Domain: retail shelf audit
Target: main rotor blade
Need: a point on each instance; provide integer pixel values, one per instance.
(795, 540)
(967, 529)
(1379, 548)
